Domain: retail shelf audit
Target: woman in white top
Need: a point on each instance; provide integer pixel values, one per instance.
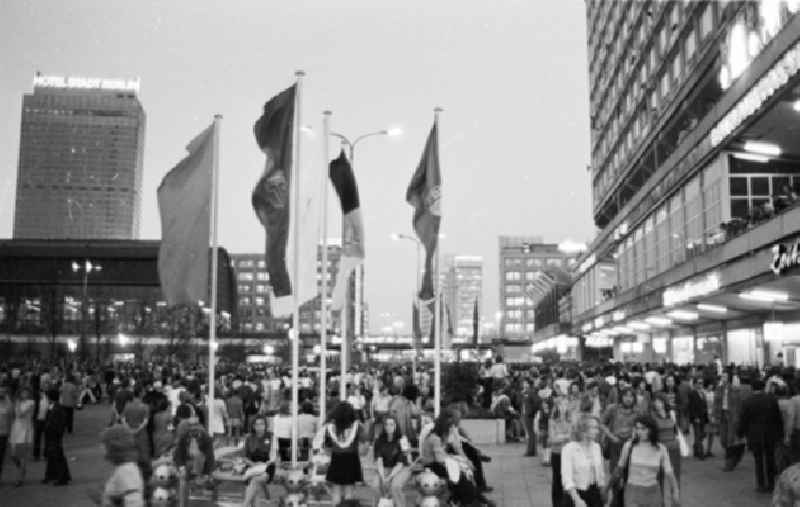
(645, 470)
(582, 470)
(21, 436)
(357, 400)
(220, 418)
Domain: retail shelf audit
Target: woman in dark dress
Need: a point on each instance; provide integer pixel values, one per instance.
(258, 449)
(342, 436)
(55, 425)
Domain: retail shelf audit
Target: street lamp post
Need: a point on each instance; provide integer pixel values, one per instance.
(86, 268)
(351, 148)
(397, 237)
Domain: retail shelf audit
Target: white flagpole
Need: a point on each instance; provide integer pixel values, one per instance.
(343, 342)
(295, 332)
(323, 333)
(212, 318)
(437, 360)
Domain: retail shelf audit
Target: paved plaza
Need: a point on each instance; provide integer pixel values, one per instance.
(518, 481)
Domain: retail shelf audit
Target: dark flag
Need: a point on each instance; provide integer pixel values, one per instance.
(424, 194)
(416, 328)
(475, 323)
(271, 195)
(444, 311)
(344, 181)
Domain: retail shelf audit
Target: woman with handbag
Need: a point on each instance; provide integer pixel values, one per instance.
(644, 476)
(391, 462)
(559, 433)
(582, 466)
(668, 433)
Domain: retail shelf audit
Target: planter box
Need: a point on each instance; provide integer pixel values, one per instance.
(485, 431)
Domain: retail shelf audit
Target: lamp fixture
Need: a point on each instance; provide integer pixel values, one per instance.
(766, 296)
(704, 307)
(658, 321)
(762, 148)
(752, 157)
(683, 315)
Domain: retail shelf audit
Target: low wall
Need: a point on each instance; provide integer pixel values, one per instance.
(485, 431)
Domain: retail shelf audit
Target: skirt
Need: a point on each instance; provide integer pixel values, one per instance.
(345, 469)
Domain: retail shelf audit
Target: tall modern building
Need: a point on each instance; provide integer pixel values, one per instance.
(695, 173)
(80, 160)
(253, 289)
(528, 269)
(462, 286)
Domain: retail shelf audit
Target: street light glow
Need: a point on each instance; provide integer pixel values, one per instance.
(394, 131)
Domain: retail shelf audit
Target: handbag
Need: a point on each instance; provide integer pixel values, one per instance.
(682, 444)
(619, 478)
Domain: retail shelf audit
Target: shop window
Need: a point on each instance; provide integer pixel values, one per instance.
(662, 239)
(712, 202)
(638, 246)
(677, 228)
(740, 208)
(707, 20)
(694, 216)
(650, 247)
(689, 46)
(759, 186)
(738, 185)
(780, 184)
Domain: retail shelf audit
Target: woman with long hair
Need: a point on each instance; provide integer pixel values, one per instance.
(582, 466)
(258, 448)
(644, 475)
(434, 455)
(559, 433)
(667, 426)
(21, 436)
(342, 436)
(391, 462)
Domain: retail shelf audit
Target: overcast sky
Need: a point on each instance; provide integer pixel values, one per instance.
(511, 76)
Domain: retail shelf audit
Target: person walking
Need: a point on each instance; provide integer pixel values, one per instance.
(39, 415)
(6, 418)
(55, 425)
(761, 424)
(644, 474)
(559, 433)
(530, 407)
(69, 400)
(698, 417)
(582, 466)
(21, 435)
(667, 426)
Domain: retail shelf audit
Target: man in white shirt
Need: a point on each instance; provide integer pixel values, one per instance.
(498, 369)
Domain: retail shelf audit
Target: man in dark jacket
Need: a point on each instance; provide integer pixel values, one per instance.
(57, 470)
(761, 424)
(530, 406)
(698, 416)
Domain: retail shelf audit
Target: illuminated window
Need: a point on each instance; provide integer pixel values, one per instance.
(262, 276)
(244, 288)
(262, 289)
(513, 276)
(246, 277)
(260, 301)
(707, 20)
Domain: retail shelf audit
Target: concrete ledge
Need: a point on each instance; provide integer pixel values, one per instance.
(485, 431)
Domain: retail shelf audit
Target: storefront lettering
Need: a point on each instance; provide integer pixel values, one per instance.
(784, 258)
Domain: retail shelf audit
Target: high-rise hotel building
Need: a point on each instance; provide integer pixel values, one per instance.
(80, 160)
(695, 170)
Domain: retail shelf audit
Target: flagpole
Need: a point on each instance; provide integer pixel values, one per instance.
(343, 341)
(437, 360)
(323, 360)
(295, 332)
(212, 318)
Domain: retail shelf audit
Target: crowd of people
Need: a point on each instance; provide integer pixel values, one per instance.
(612, 434)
